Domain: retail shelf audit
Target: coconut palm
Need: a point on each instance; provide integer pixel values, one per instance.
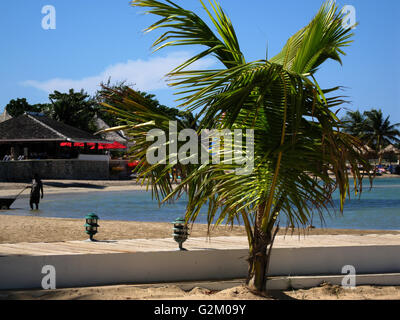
(379, 132)
(300, 155)
(354, 123)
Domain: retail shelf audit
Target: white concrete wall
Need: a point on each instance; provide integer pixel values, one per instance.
(330, 260)
(18, 272)
(94, 157)
(141, 267)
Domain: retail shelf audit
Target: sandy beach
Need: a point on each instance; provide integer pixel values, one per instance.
(16, 229)
(9, 189)
(198, 291)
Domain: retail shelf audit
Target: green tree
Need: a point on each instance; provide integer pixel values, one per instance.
(73, 108)
(110, 92)
(300, 154)
(19, 106)
(378, 132)
(354, 123)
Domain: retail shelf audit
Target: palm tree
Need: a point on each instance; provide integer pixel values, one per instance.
(379, 132)
(354, 123)
(73, 108)
(300, 154)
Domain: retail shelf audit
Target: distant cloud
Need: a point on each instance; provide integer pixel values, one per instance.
(146, 75)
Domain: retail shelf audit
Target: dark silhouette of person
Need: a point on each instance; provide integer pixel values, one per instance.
(36, 188)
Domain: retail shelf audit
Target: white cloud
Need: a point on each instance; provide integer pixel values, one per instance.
(146, 75)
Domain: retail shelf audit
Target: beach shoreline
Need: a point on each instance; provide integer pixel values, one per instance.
(60, 186)
(33, 228)
(11, 189)
(17, 229)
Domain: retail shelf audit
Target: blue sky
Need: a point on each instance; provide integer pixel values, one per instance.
(96, 39)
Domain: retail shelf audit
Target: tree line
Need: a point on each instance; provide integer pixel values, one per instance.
(373, 128)
(80, 110)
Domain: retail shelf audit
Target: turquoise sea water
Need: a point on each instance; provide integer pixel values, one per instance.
(378, 208)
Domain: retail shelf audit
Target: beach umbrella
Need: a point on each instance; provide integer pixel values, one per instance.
(101, 146)
(114, 145)
(79, 144)
(133, 164)
(65, 144)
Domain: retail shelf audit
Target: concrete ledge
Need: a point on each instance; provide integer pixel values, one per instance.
(305, 282)
(288, 283)
(79, 270)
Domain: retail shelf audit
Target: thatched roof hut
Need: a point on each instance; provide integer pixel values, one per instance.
(5, 116)
(390, 149)
(111, 136)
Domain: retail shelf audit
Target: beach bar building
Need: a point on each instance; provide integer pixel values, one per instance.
(33, 143)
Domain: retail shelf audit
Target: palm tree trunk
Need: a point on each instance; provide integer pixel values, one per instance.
(259, 260)
(379, 150)
(256, 280)
(260, 253)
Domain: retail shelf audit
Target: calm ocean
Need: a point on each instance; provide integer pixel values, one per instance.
(378, 208)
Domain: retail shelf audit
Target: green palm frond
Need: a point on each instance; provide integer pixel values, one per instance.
(187, 28)
(141, 117)
(323, 38)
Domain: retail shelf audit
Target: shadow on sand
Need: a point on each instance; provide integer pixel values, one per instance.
(74, 185)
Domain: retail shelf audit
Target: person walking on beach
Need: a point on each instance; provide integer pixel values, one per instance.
(36, 188)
